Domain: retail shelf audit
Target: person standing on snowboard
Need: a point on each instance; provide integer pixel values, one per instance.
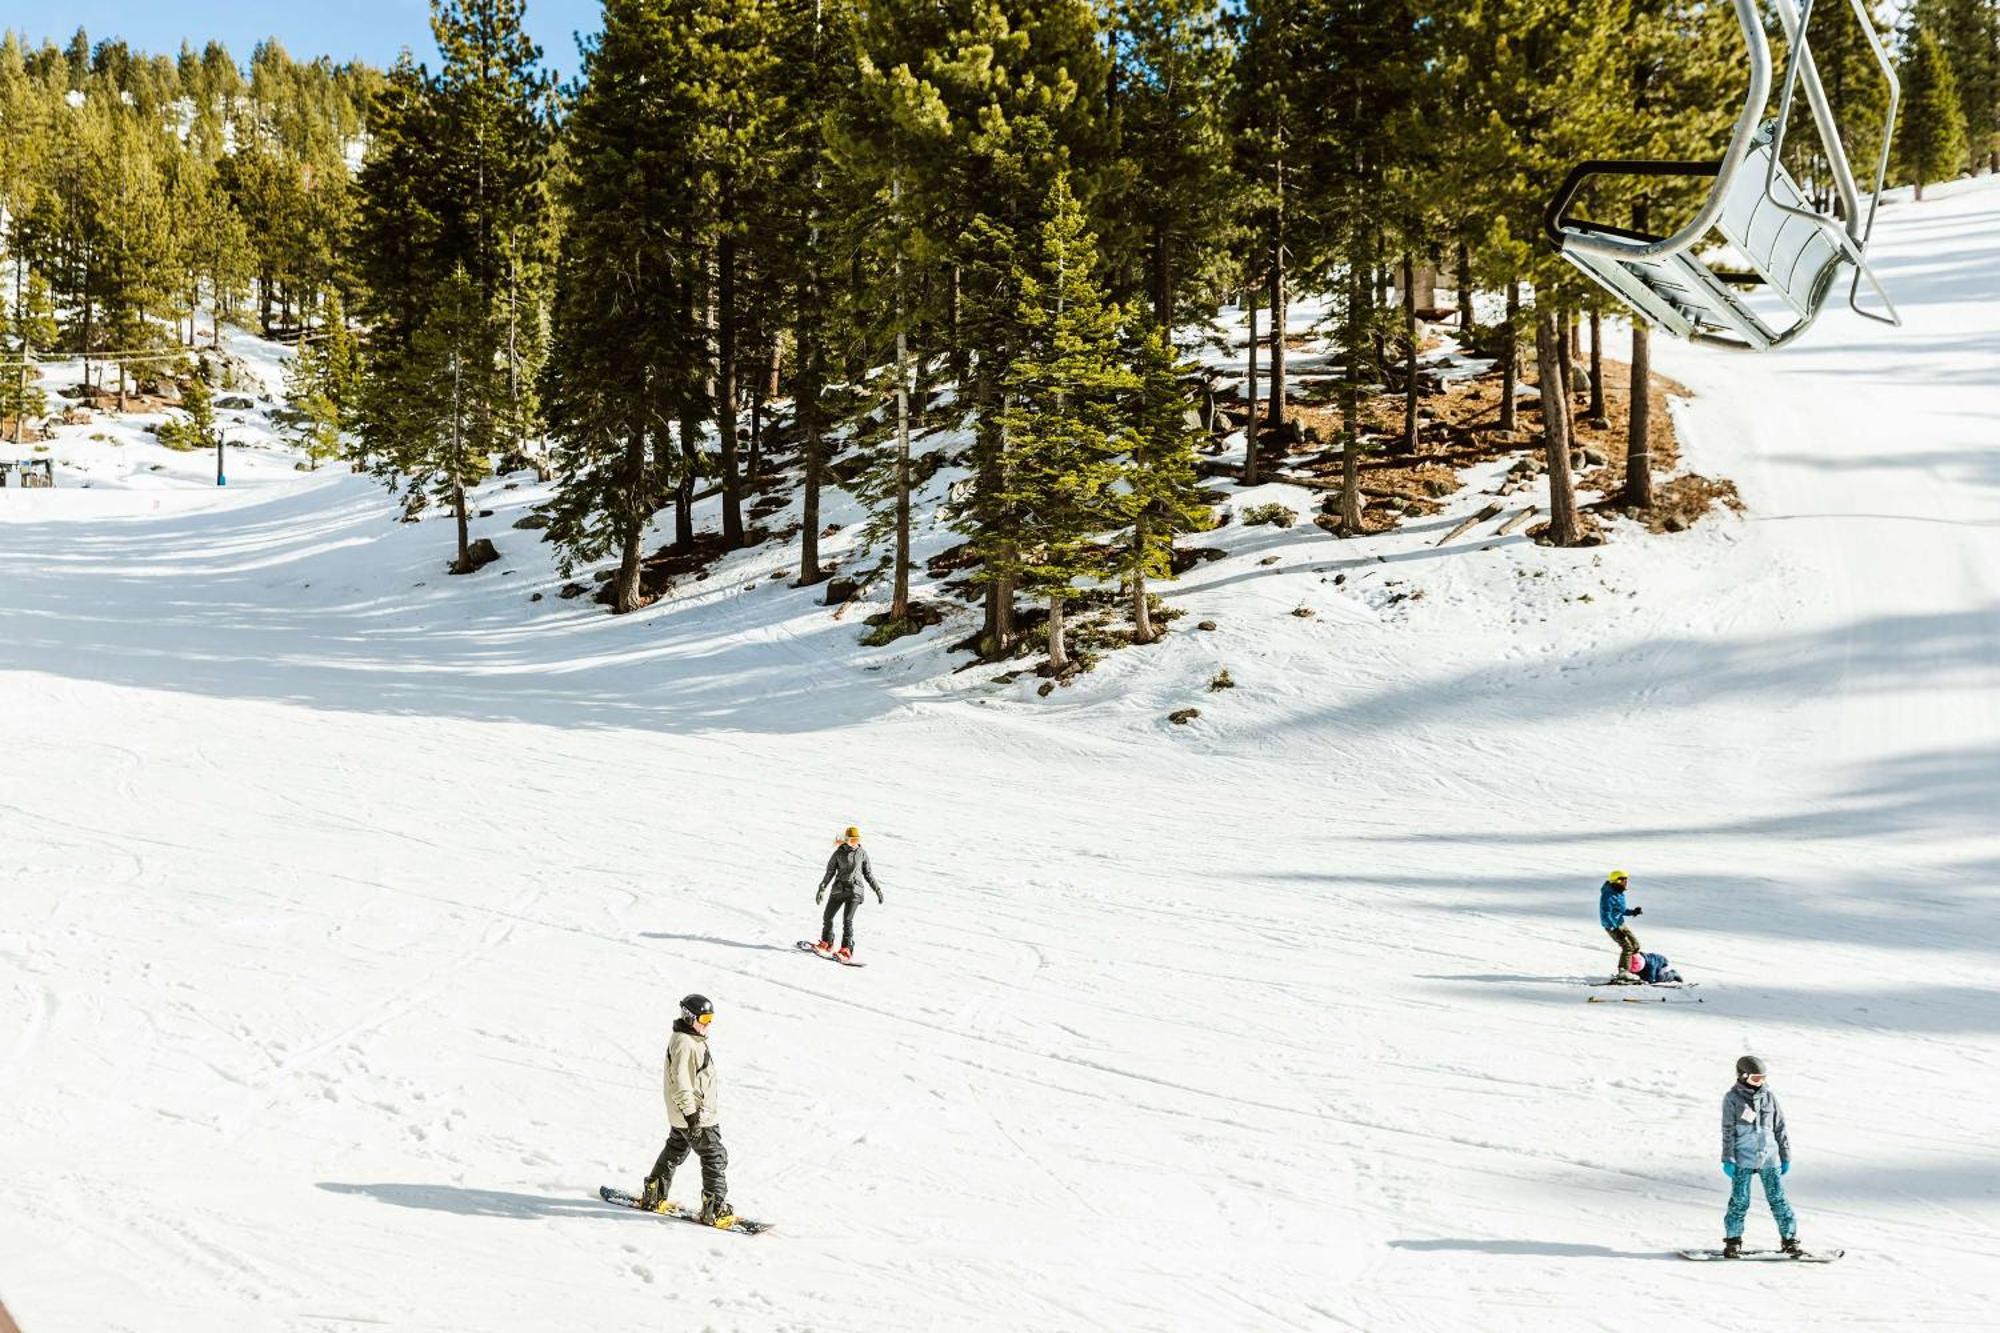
(691, 1117)
(845, 870)
(1755, 1146)
(1611, 914)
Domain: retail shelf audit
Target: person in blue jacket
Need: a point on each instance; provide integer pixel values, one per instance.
(1652, 968)
(1611, 914)
(1755, 1146)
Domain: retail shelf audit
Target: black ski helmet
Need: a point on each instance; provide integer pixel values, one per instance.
(1748, 1065)
(694, 1006)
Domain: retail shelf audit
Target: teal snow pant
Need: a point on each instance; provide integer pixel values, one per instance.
(1774, 1194)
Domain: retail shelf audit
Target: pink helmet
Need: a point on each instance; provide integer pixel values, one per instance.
(1636, 963)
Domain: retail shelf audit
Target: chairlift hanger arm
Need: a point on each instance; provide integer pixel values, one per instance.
(1556, 216)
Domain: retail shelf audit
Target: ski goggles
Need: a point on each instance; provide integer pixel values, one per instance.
(1754, 1080)
(704, 1019)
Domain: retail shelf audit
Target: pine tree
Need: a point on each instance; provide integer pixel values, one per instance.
(1968, 31)
(492, 106)
(322, 384)
(32, 325)
(197, 428)
(1174, 66)
(1161, 496)
(626, 356)
(1930, 142)
(1064, 422)
(446, 434)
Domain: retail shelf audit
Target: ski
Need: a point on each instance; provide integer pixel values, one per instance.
(1765, 1256)
(622, 1199)
(1651, 985)
(809, 947)
(1638, 999)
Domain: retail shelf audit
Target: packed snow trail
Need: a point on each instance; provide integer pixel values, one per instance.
(347, 906)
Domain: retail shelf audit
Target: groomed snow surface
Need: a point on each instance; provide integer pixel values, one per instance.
(347, 906)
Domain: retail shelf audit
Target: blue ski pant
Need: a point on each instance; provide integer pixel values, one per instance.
(1774, 1195)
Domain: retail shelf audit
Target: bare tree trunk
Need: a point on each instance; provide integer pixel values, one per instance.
(1350, 405)
(1464, 276)
(1409, 442)
(1597, 408)
(954, 305)
(997, 638)
(725, 388)
(1639, 426)
(1276, 413)
(690, 440)
(1510, 359)
(1142, 612)
(464, 563)
(625, 592)
(899, 603)
(1250, 428)
(808, 415)
(1564, 363)
(756, 464)
(1564, 529)
(1058, 650)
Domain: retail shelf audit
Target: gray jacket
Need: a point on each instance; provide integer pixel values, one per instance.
(1753, 1129)
(846, 868)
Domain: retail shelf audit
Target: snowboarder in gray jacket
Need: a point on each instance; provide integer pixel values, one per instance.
(1755, 1145)
(845, 870)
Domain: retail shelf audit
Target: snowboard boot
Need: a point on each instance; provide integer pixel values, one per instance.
(1791, 1246)
(845, 954)
(653, 1197)
(824, 948)
(716, 1213)
(1732, 1247)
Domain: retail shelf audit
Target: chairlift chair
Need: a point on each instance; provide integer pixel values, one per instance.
(1753, 204)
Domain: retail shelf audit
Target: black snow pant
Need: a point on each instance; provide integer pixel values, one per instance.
(843, 901)
(707, 1145)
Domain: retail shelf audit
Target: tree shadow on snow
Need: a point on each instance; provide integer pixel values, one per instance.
(480, 1203)
(1542, 1248)
(314, 597)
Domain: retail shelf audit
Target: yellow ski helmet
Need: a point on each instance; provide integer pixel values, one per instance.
(1616, 877)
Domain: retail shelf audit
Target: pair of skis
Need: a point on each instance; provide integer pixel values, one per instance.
(1642, 986)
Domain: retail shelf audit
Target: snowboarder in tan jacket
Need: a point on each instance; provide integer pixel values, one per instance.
(691, 1117)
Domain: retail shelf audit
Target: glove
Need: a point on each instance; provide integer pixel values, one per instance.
(1729, 1169)
(1784, 1168)
(1634, 911)
(819, 897)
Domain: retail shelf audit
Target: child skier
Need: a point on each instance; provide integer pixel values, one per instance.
(691, 1117)
(1652, 969)
(845, 870)
(1755, 1145)
(1611, 914)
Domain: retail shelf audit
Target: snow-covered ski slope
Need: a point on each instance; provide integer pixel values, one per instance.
(344, 907)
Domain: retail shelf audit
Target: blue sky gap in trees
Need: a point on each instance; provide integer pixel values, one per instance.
(371, 30)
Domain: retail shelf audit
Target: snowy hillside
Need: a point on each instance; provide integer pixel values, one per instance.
(347, 904)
